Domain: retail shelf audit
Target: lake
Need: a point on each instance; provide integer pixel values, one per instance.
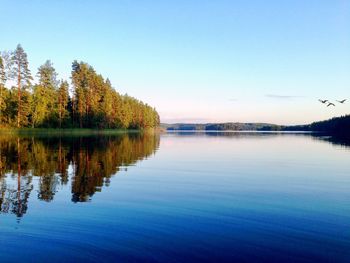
(175, 197)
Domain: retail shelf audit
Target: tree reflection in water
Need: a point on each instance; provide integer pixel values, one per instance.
(87, 163)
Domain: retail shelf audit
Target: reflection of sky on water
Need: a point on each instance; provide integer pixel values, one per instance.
(252, 197)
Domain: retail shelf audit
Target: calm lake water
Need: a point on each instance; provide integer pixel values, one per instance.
(177, 197)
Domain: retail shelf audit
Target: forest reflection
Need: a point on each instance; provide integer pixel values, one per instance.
(85, 163)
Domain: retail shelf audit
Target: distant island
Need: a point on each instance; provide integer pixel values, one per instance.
(90, 102)
(339, 126)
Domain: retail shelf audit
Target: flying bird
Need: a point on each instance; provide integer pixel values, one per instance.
(331, 104)
(341, 101)
(323, 101)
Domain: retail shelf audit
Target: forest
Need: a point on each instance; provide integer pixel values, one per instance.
(334, 126)
(227, 126)
(88, 101)
(337, 126)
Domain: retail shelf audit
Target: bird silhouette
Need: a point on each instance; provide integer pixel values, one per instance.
(323, 101)
(341, 101)
(331, 104)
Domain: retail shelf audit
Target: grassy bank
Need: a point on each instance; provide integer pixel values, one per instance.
(68, 132)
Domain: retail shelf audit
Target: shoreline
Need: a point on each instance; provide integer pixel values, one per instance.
(72, 131)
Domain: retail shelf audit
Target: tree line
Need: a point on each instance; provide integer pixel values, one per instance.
(337, 126)
(89, 102)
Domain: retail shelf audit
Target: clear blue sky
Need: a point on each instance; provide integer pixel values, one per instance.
(198, 60)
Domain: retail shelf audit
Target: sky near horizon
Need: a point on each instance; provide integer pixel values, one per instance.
(198, 60)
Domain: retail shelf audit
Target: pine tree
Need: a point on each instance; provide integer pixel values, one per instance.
(63, 99)
(94, 102)
(2, 87)
(47, 75)
(44, 96)
(21, 73)
(79, 81)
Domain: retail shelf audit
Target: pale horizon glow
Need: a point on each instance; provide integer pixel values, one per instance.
(198, 61)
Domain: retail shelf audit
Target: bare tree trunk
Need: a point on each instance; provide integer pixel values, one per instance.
(19, 96)
(60, 110)
(0, 104)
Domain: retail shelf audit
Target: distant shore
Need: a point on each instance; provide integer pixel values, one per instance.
(339, 125)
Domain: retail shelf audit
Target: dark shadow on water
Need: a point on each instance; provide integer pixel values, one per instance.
(343, 141)
(86, 163)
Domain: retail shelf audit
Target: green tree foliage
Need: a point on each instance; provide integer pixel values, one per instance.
(45, 100)
(4, 66)
(2, 87)
(21, 73)
(97, 105)
(91, 102)
(63, 103)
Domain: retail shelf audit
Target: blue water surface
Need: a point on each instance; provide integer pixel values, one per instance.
(176, 197)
